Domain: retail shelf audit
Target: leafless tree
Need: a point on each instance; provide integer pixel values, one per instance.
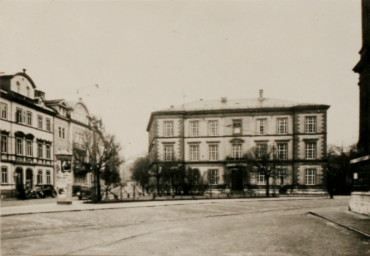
(263, 161)
(99, 153)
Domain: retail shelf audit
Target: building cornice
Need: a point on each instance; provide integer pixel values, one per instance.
(184, 113)
(22, 100)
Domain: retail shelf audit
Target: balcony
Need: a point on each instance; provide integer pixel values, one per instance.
(235, 161)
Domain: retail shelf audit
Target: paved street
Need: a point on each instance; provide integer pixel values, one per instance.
(206, 228)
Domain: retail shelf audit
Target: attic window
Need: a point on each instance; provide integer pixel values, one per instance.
(28, 91)
(18, 87)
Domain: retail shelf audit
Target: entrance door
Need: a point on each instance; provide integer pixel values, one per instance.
(19, 187)
(29, 178)
(236, 179)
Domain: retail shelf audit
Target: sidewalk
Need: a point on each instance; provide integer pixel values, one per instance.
(343, 217)
(81, 206)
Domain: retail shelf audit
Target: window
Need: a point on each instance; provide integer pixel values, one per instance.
(213, 128)
(62, 132)
(310, 150)
(29, 147)
(48, 124)
(281, 177)
(29, 118)
(261, 150)
(39, 149)
(261, 179)
(4, 143)
(48, 151)
(213, 176)
(18, 87)
(19, 116)
(39, 177)
(168, 152)
(237, 127)
(213, 152)
(4, 110)
(282, 125)
(39, 122)
(168, 128)
(261, 126)
(194, 128)
(28, 91)
(310, 176)
(48, 177)
(237, 151)
(194, 152)
(19, 146)
(310, 124)
(4, 175)
(282, 151)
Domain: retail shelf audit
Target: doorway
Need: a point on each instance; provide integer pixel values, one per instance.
(29, 178)
(18, 180)
(236, 179)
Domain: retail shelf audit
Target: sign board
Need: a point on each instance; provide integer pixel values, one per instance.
(63, 182)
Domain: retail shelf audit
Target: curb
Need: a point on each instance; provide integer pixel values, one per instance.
(341, 225)
(142, 206)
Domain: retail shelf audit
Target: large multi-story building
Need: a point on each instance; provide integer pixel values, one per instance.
(33, 131)
(71, 123)
(361, 165)
(27, 149)
(213, 135)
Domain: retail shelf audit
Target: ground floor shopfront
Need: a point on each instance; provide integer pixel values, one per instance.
(16, 178)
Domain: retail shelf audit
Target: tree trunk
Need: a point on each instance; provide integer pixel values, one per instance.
(98, 186)
(267, 177)
(157, 178)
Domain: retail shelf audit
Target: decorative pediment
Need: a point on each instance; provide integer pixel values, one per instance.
(30, 136)
(19, 134)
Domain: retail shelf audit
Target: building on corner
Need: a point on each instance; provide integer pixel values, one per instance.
(27, 144)
(211, 135)
(33, 130)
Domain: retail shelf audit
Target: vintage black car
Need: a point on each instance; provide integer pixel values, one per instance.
(85, 193)
(46, 190)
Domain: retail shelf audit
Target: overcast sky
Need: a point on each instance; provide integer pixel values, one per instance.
(148, 55)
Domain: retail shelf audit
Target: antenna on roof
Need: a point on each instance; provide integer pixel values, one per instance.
(183, 98)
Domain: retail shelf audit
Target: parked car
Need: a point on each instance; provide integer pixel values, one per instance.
(85, 193)
(33, 193)
(46, 190)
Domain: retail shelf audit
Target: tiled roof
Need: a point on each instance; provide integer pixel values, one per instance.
(228, 104)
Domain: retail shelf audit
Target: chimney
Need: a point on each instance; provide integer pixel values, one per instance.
(24, 70)
(261, 95)
(40, 94)
(223, 99)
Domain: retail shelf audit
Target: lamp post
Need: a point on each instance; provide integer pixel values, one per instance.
(64, 177)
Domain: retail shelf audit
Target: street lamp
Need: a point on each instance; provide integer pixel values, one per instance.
(64, 177)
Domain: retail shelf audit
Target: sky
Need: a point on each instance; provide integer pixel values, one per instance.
(148, 55)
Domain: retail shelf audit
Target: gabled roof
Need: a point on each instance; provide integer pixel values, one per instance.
(60, 102)
(7, 77)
